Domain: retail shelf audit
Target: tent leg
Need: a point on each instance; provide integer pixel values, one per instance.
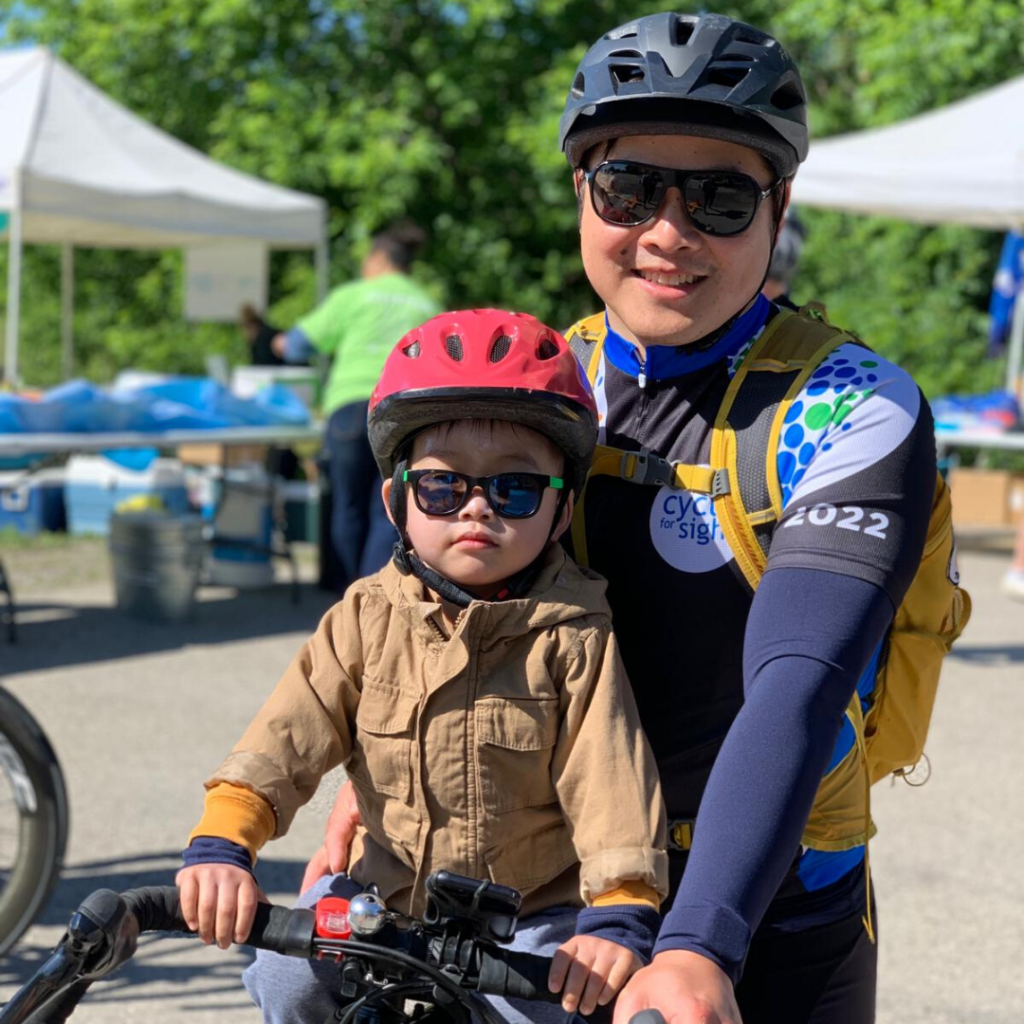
(13, 297)
(321, 258)
(1015, 350)
(67, 308)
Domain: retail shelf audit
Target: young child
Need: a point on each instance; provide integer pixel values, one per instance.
(472, 688)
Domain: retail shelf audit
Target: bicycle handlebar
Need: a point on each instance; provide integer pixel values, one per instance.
(104, 932)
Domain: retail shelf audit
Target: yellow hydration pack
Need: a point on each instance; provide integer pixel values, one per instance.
(744, 484)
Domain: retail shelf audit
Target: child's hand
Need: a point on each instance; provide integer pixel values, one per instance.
(592, 971)
(219, 901)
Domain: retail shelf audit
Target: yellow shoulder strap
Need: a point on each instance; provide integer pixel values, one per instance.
(586, 339)
(791, 347)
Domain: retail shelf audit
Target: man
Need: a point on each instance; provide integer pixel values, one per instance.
(358, 325)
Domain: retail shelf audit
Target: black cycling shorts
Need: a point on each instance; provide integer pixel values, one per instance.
(822, 975)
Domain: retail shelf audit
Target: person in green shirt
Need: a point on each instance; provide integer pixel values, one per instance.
(358, 325)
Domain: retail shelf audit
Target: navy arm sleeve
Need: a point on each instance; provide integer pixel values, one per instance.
(800, 671)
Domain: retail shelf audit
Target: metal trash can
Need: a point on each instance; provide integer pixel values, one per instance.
(156, 559)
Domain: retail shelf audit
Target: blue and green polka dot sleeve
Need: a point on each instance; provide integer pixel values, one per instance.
(856, 465)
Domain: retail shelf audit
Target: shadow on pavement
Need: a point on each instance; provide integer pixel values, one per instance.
(996, 654)
(209, 971)
(53, 635)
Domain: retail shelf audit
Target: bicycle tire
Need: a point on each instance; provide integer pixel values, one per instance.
(34, 777)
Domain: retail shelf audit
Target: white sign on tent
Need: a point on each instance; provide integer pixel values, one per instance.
(220, 277)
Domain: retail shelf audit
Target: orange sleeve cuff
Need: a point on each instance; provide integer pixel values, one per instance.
(629, 892)
(238, 815)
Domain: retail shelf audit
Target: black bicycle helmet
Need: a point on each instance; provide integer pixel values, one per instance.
(689, 74)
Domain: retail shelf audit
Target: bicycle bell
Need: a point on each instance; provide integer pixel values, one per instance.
(366, 914)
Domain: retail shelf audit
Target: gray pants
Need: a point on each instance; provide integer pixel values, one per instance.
(292, 991)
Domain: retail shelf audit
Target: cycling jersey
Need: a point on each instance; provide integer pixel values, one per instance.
(856, 463)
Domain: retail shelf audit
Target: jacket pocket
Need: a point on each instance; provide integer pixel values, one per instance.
(515, 741)
(382, 747)
(533, 860)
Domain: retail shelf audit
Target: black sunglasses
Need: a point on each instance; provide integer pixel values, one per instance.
(441, 492)
(717, 202)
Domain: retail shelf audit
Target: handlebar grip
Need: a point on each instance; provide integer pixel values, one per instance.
(157, 908)
(647, 1017)
(520, 975)
(284, 931)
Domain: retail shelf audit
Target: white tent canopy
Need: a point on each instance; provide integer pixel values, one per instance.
(960, 164)
(78, 169)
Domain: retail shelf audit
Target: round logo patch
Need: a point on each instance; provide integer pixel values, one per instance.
(686, 531)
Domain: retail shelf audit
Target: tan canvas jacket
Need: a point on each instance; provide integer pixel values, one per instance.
(511, 749)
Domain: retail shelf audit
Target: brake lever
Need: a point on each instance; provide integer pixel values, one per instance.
(102, 934)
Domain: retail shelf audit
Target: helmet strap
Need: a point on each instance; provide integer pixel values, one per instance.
(703, 344)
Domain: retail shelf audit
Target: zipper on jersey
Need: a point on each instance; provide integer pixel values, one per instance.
(642, 400)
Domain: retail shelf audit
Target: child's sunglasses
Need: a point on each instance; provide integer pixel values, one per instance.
(717, 202)
(441, 492)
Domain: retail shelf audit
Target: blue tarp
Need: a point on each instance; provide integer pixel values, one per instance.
(995, 411)
(179, 403)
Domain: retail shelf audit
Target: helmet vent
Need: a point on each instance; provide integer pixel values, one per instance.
(453, 346)
(500, 348)
(787, 97)
(547, 349)
(625, 74)
(684, 30)
(738, 56)
(751, 40)
(629, 54)
(412, 351)
(729, 77)
(578, 87)
(625, 32)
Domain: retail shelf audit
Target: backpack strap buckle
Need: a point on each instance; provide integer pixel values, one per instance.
(680, 834)
(644, 467)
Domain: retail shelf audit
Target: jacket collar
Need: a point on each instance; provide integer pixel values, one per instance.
(562, 591)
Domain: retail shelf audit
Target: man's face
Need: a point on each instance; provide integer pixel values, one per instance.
(664, 282)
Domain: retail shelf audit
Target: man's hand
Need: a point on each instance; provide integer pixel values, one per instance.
(686, 987)
(277, 344)
(342, 823)
(589, 971)
(218, 901)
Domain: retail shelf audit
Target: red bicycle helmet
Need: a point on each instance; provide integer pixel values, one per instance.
(484, 364)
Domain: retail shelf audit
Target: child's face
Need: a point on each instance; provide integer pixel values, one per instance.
(474, 546)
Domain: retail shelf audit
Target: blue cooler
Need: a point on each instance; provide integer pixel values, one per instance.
(95, 486)
(32, 504)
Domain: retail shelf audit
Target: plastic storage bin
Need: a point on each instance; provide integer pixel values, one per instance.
(156, 559)
(94, 486)
(32, 504)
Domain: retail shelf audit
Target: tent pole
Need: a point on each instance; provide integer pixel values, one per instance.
(321, 258)
(67, 308)
(1015, 349)
(14, 241)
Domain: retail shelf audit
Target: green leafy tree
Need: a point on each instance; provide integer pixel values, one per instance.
(446, 111)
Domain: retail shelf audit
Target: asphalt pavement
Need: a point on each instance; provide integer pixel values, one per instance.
(140, 713)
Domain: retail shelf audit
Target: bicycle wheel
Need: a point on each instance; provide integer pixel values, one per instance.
(33, 820)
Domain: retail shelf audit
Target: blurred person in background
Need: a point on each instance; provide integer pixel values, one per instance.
(260, 336)
(1013, 581)
(785, 259)
(357, 325)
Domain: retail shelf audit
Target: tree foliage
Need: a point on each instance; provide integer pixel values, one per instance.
(446, 111)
